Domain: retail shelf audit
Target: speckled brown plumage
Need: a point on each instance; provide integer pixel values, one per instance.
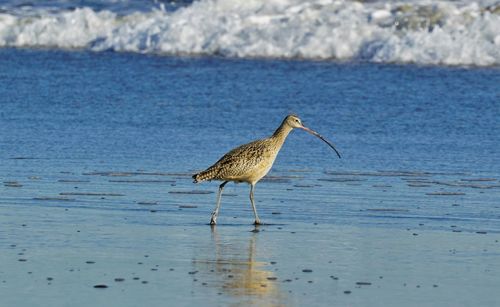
(242, 162)
(250, 162)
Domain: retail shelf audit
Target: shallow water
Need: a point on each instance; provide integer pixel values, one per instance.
(97, 150)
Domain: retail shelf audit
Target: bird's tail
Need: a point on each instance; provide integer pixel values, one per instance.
(202, 176)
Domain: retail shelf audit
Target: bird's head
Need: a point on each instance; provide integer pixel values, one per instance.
(293, 121)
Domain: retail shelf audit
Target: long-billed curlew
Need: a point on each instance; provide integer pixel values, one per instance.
(250, 162)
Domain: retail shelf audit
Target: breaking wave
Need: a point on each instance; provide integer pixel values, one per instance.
(422, 32)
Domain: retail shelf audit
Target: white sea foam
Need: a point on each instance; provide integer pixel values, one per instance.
(437, 33)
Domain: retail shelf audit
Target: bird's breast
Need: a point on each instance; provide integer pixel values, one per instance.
(260, 171)
(253, 172)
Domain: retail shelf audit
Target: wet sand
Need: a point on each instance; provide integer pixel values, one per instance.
(134, 237)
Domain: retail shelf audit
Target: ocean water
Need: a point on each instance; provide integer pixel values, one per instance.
(108, 107)
(420, 31)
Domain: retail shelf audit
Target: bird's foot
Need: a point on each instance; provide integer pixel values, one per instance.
(257, 222)
(213, 219)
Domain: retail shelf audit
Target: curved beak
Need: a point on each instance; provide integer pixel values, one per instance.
(322, 138)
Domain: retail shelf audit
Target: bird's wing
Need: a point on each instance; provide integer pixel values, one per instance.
(241, 160)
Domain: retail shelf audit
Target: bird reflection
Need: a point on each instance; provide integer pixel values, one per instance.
(236, 272)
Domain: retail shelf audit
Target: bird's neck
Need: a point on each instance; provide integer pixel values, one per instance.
(281, 133)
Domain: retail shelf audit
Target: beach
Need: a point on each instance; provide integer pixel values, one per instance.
(98, 143)
(125, 239)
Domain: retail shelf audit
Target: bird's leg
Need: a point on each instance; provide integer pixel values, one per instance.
(215, 213)
(257, 220)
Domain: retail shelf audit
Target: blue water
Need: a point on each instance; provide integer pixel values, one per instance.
(183, 113)
(97, 150)
(405, 132)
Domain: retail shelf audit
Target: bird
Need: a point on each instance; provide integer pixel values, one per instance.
(251, 162)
